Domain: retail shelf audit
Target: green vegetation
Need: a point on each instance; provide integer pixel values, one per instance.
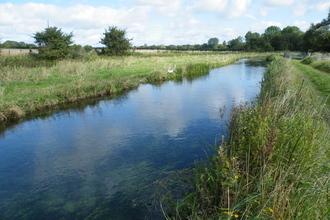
(18, 45)
(53, 43)
(25, 90)
(318, 61)
(317, 37)
(274, 164)
(116, 42)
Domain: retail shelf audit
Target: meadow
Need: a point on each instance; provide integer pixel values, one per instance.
(29, 86)
(275, 162)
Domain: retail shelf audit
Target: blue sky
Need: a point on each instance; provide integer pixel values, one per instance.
(156, 22)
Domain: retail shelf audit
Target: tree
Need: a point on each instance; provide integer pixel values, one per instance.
(255, 42)
(88, 48)
(317, 37)
(53, 43)
(213, 43)
(271, 31)
(293, 37)
(236, 44)
(116, 42)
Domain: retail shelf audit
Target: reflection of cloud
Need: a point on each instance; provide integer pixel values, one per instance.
(92, 151)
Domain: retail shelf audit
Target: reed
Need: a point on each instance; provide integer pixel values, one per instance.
(274, 164)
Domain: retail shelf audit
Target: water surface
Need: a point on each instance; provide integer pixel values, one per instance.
(93, 161)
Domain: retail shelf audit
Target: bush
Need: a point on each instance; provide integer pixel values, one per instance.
(53, 43)
(270, 58)
(307, 60)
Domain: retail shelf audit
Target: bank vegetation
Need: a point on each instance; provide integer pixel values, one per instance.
(29, 86)
(275, 163)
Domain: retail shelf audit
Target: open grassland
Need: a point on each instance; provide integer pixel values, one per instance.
(275, 163)
(29, 86)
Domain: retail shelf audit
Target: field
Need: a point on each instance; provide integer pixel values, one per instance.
(29, 86)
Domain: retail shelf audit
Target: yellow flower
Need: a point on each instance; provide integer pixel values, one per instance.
(270, 209)
(236, 177)
(236, 216)
(228, 213)
(293, 159)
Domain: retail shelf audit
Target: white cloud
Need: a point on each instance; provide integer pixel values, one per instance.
(250, 16)
(231, 9)
(264, 10)
(280, 2)
(237, 8)
(261, 26)
(30, 18)
(303, 25)
(299, 10)
(217, 6)
(167, 8)
(321, 6)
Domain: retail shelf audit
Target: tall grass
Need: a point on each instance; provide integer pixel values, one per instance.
(29, 88)
(275, 162)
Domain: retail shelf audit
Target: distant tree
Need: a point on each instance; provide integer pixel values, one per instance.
(271, 31)
(291, 30)
(317, 37)
(14, 44)
(116, 42)
(236, 44)
(213, 43)
(197, 47)
(88, 48)
(10, 44)
(255, 42)
(171, 47)
(205, 46)
(293, 37)
(53, 43)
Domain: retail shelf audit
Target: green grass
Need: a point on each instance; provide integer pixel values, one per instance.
(320, 80)
(323, 65)
(274, 164)
(27, 88)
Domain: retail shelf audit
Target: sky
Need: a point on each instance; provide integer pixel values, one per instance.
(156, 22)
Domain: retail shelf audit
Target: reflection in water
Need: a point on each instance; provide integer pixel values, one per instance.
(95, 160)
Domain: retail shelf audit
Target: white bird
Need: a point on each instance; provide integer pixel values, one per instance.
(171, 71)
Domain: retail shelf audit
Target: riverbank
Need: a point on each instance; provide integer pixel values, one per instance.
(29, 88)
(275, 163)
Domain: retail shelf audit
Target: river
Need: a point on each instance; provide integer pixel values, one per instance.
(93, 162)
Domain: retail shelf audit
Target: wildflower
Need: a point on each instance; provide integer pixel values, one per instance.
(236, 216)
(264, 210)
(236, 177)
(293, 159)
(270, 209)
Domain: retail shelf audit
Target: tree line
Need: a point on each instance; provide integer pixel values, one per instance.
(53, 44)
(290, 38)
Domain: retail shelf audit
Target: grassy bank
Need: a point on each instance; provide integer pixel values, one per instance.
(320, 79)
(28, 86)
(275, 163)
